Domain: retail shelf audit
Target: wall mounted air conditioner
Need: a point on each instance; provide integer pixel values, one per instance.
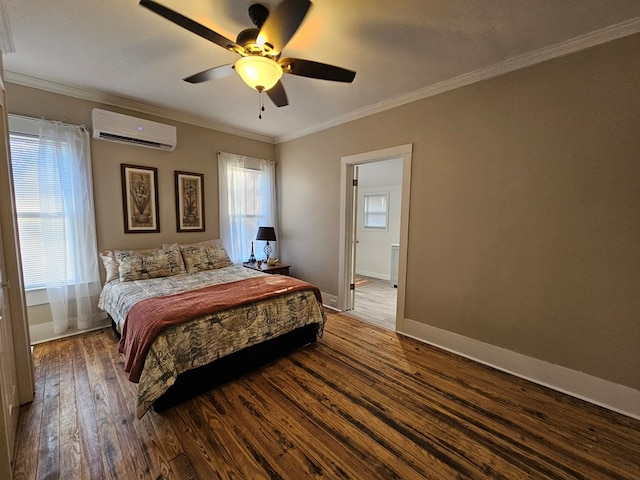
(116, 127)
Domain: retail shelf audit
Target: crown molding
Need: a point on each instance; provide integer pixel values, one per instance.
(576, 44)
(117, 101)
(573, 45)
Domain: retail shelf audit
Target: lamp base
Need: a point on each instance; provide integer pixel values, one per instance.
(267, 250)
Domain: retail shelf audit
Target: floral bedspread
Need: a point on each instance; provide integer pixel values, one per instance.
(200, 341)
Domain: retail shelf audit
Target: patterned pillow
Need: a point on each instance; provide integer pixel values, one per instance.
(207, 255)
(152, 263)
(110, 265)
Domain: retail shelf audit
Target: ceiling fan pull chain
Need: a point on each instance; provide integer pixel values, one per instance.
(261, 102)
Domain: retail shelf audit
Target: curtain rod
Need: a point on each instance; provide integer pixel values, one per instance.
(59, 122)
(245, 157)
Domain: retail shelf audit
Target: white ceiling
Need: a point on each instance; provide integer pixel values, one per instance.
(119, 53)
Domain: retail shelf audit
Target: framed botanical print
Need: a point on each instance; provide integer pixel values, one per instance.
(189, 202)
(140, 199)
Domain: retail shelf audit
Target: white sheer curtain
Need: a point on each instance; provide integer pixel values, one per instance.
(247, 190)
(68, 226)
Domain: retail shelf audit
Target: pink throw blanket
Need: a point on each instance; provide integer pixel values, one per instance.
(147, 318)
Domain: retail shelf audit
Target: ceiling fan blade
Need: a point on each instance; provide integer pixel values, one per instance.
(308, 68)
(190, 25)
(282, 23)
(277, 95)
(211, 74)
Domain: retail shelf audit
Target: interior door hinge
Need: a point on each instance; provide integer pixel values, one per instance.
(352, 286)
(355, 182)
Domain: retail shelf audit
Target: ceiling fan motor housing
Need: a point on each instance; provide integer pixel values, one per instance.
(258, 14)
(248, 40)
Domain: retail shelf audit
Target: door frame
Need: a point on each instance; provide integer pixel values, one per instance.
(15, 297)
(347, 221)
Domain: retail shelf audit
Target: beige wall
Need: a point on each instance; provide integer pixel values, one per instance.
(196, 152)
(524, 219)
(524, 227)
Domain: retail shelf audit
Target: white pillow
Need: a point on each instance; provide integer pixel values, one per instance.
(110, 265)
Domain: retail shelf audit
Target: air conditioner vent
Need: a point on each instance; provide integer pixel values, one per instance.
(138, 141)
(116, 127)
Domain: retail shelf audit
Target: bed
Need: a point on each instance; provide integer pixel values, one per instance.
(188, 319)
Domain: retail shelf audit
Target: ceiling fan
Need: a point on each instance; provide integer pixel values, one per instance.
(260, 65)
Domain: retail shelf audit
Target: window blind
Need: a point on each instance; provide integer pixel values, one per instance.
(375, 211)
(32, 210)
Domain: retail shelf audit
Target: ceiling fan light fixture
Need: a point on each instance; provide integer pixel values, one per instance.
(260, 73)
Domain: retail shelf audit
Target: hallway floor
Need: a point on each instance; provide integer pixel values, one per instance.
(375, 302)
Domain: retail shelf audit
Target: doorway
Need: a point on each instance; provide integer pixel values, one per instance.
(351, 166)
(377, 227)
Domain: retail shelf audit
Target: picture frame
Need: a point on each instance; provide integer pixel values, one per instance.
(140, 198)
(189, 202)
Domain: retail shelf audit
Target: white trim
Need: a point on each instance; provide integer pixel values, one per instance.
(613, 396)
(329, 301)
(43, 332)
(36, 296)
(22, 124)
(576, 44)
(113, 100)
(346, 222)
(379, 276)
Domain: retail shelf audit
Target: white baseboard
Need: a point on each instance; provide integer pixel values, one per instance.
(43, 332)
(330, 301)
(379, 276)
(613, 396)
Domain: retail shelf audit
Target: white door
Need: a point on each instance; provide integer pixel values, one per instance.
(354, 241)
(8, 380)
(9, 399)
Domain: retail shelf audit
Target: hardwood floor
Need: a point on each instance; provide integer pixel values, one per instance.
(362, 403)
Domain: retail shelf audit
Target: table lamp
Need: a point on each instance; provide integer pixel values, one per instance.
(268, 234)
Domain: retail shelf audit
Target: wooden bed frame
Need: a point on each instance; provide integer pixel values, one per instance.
(202, 379)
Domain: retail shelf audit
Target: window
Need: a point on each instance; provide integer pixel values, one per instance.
(51, 166)
(247, 201)
(31, 210)
(376, 211)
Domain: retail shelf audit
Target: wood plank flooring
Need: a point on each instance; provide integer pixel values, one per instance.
(362, 403)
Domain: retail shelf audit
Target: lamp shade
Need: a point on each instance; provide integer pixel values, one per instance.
(258, 72)
(266, 233)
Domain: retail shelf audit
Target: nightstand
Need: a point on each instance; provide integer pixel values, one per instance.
(278, 268)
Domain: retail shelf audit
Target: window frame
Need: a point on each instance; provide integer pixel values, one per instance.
(25, 127)
(255, 206)
(367, 213)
